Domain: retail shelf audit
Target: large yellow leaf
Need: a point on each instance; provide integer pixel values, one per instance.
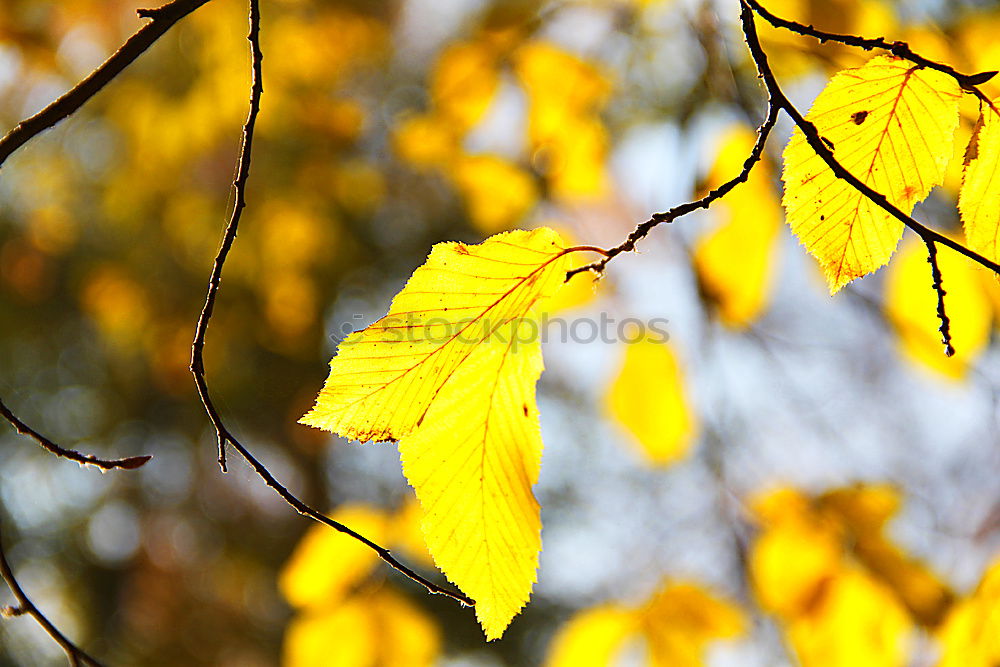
(648, 398)
(892, 126)
(450, 372)
(979, 199)
(677, 623)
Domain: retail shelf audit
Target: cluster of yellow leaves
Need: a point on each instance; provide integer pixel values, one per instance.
(566, 142)
(565, 132)
(676, 624)
(648, 398)
(735, 263)
(344, 617)
(845, 594)
(450, 374)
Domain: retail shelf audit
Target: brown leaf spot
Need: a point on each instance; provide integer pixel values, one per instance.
(525, 408)
(859, 117)
(461, 249)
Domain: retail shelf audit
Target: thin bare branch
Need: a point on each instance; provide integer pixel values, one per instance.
(680, 210)
(25, 607)
(162, 19)
(938, 285)
(969, 82)
(129, 463)
(224, 436)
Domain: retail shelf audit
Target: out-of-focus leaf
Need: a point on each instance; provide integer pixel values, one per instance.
(970, 637)
(735, 262)
(648, 399)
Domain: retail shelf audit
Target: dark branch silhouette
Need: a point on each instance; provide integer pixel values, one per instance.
(25, 607)
(224, 436)
(129, 463)
(163, 18)
(938, 286)
(969, 82)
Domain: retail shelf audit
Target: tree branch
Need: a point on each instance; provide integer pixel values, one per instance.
(680, 210)
(969, 82)
(129, 463)
(938, 286)
(162, 19)
(225, 437)
(25, 606)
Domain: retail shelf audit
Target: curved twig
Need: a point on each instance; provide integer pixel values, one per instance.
(129, 463)
(25, 607)
(969, 82)
(225, 437)
(162, 19)
(643, 229)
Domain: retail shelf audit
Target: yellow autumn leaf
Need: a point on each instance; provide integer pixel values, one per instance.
(735, 263)
(450, 373)
(970, 637)
(648, 398)
(979, 198)
(911, 305)
(326, 564)
(593, 637)
(380, 629)
(892, 125)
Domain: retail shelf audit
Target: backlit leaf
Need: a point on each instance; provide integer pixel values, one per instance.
(891, 125)
(979, 199)
(450, 373)
(648, 398)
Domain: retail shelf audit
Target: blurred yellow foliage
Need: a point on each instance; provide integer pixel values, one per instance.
(497, 192)
(463, 82)
(568, 141)
(735, 263)
(649, 400)
(676, 624)
(344, 617)
(970, 637)
(845, 594)
(380, 629)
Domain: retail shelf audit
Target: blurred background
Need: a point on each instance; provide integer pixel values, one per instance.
(790, 479)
